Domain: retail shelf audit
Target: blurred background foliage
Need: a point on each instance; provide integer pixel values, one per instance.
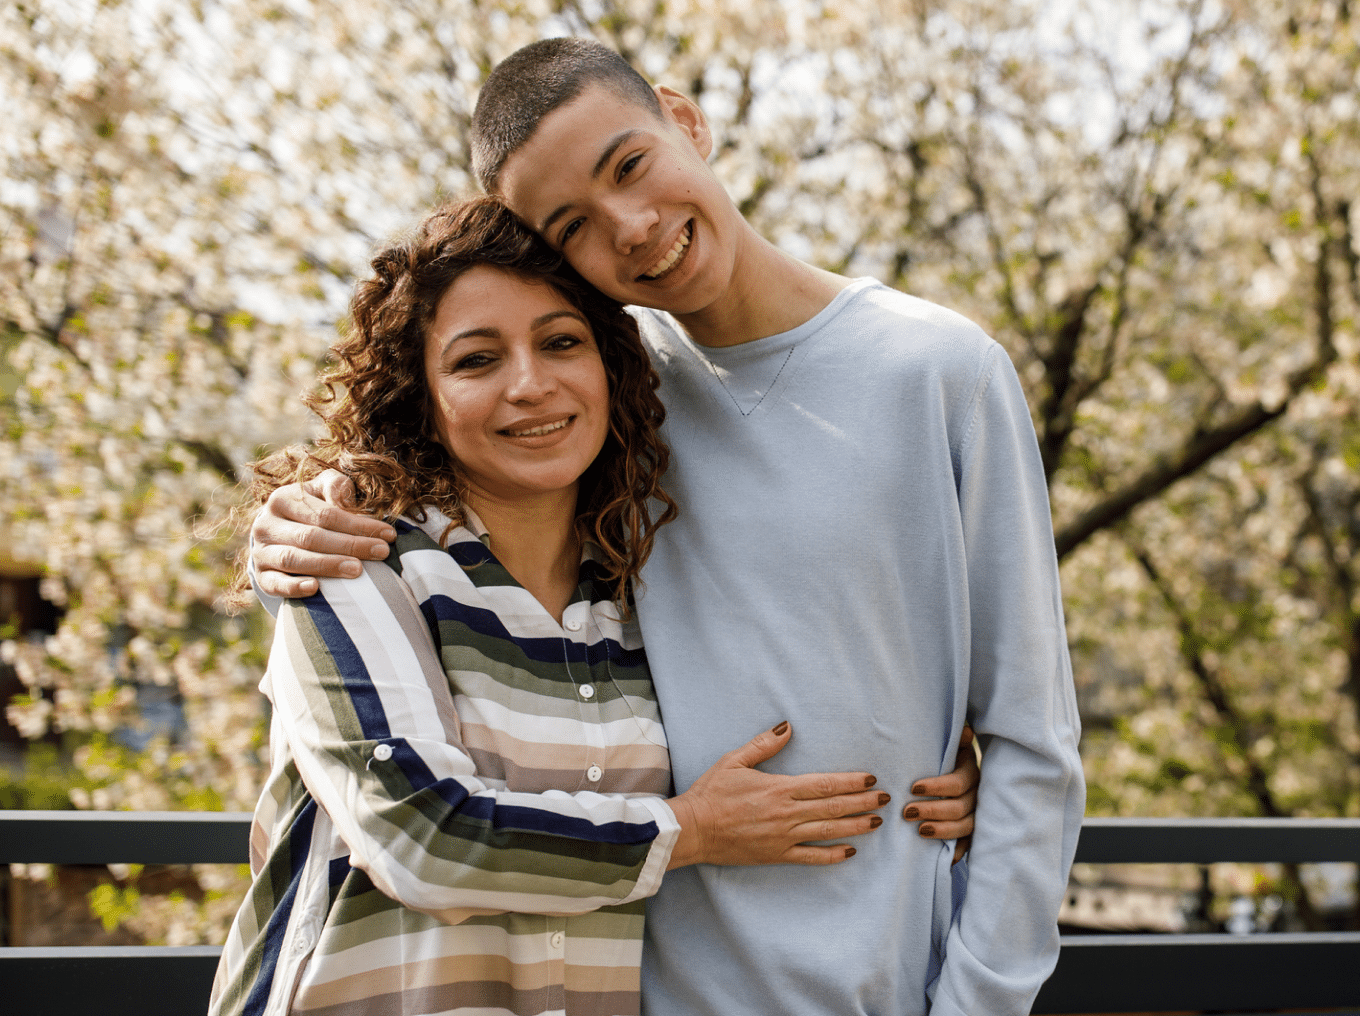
(1149, 204)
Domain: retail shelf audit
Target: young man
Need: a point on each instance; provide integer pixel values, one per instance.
(864, 548)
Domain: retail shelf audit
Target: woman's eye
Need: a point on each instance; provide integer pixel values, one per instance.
(472, 361)
(561, 342)
(570, 231)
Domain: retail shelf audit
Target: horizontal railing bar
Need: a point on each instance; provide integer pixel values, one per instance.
(111, 980)
(1096, 973)
(187, 837)
(124, 837)
(1151, 973)
(1207, 840)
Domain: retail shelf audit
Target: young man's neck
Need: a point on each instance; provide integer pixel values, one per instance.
(771, 292)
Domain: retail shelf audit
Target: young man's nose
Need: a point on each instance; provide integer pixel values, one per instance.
(632, 225)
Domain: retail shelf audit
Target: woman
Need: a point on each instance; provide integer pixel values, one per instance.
(466, 805)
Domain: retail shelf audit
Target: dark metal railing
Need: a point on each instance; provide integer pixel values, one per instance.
(1095, 973)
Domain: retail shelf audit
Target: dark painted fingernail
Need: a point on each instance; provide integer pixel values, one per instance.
(884, 799)
(919, 790)
(875, 822)
(927, 830)
(849, 852)
(869, 781)
(779, 729)
(912, 812)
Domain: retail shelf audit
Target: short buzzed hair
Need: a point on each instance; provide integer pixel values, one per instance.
(532, 82)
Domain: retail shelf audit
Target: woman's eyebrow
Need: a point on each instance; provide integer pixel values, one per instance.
(486, 332)
(552, 315)
(489, 332)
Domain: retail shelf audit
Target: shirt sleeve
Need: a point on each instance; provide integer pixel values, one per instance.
(1022, 705)
(369, 718)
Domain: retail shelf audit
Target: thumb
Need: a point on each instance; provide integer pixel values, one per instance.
(333, 487)
(765, 745)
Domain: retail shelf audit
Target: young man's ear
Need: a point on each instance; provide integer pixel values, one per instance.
(685, 113)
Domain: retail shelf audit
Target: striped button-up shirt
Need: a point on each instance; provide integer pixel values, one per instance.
(464, 809)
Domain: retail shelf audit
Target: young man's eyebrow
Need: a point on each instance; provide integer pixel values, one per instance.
(617, 141)
(495, 333)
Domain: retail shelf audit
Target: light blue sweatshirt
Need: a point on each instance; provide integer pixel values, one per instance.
(864, 548)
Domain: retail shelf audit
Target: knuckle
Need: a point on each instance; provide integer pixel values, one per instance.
(824, 786)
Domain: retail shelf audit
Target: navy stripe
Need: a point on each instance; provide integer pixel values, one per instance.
(485, 622)
(506, 817)
(299, 844)
(350, 666)
(412, 766)
(533, 820)
(339, 870)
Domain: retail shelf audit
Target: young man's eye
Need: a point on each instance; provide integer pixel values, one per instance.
(629, 164)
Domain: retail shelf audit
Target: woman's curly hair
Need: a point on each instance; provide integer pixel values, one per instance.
(377, 406)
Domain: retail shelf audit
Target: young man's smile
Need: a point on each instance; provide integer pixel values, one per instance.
(672, 257)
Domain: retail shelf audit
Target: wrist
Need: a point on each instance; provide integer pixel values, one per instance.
(688, 847)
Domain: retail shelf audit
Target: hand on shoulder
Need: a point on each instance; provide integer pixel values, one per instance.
(306, 531)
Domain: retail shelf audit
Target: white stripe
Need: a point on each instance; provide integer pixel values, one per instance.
(387, 654)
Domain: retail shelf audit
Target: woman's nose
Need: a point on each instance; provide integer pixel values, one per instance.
(530, 379)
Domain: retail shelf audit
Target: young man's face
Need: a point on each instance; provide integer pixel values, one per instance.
(629, 199)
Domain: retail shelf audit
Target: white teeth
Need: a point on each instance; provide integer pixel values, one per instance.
(671, 257)
(547, 428)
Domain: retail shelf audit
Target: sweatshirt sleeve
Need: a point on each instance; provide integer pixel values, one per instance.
(1022, 704)
(369, 718)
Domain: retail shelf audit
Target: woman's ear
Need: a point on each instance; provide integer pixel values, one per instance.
(685, 113)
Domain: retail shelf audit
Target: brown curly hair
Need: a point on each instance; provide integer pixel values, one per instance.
(377, 406)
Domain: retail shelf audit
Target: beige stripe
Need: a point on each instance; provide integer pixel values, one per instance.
(561, 755)
(526, 780)
(442, 970)
(587, 980)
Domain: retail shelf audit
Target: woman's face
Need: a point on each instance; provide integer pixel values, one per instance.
(520, 395)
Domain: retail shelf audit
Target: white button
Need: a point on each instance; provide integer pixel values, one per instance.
(594, 773)
(587, 691)
(382, 752)
(573, 626)
(556, 939)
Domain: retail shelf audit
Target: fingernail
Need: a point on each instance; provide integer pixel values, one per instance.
(849, 852)
(351, 569)
(919, 790)
(779, 728)
(912, 812)
(927, 830)
(875, 822)
(380, 553)
(884, 799)
(869, 781)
